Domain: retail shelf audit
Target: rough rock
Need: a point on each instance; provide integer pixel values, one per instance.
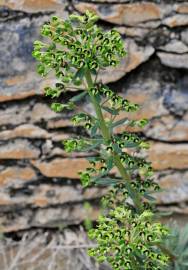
(58, 167)
(174, 60)
(18, 149)
(162, 155)
(24, 131)
(184, 36)
(175, 187)
(175, 46)
(175, 100)
(20, 87)
(18, 38)
(48, 217)
(176, 20)
(127, 14)
(15, 176)
(181, 8)
(168, 156)
(26, 113)
(46, 195)
(132, 31)
(32, 5)
(167, 128)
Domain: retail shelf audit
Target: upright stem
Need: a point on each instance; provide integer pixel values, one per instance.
(107, 137)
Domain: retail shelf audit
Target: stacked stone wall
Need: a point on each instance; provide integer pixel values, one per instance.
(39, 185)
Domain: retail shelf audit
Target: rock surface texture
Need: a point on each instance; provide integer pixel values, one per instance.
(39, 184)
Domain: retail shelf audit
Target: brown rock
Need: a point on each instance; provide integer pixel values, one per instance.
(15, 115)
(32, 5)
(132, 31)
(42, 111)
(26, 85)
(176, 20)
(39, 5)
(174, 60)
(168, 156)
(24, 131)
(57, 123)
(47, 195)
(58, 167)
(19, 149)
(182, 8)
(19, 87)
(14, 176)
(58, 136)
(128, 14)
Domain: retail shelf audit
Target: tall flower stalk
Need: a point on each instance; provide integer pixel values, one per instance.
(128, 234)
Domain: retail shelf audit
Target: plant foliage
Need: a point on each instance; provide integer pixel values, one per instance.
(128, 234)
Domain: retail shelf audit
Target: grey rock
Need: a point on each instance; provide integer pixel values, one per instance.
(176, 100)
(16, 43)
(174, 60)
(184, 36)
(176, 20)
(175, 187)
(18, 149)
(175, 46)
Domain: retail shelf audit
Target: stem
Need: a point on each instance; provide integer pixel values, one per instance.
(107, 137)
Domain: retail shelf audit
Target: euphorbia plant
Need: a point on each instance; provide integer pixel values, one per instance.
(128, 233)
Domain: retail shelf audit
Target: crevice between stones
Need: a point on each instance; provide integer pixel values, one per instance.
(7, 14)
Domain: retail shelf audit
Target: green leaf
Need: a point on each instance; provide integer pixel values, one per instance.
(111, 111)
(149, 197)
(105, 181)
(120, 122)
(78, 97)
(130, 144)
(93, 146)
(94, 130)
(109, 163)
(79, 74)
(41, 69)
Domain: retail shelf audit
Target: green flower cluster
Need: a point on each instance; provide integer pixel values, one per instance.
(77, 43)
(115, 101)
(74, 145)
(129, 241)
(119, 193)
(99, 169)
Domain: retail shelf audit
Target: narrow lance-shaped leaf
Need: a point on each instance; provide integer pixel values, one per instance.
(78, 97)
(120, 122)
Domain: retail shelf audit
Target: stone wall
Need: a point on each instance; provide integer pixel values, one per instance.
(39, 181)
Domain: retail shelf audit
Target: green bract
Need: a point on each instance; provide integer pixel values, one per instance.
(126, 239)
(128, 234)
